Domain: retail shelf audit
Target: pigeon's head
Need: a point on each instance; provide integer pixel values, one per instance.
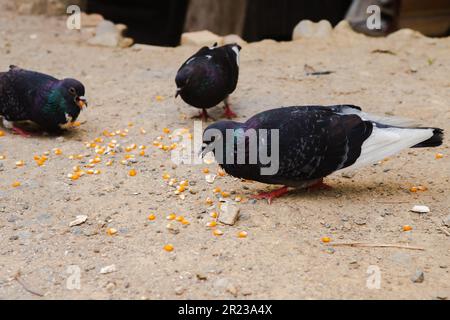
(183, 79)
(221, 135)
(72, 93)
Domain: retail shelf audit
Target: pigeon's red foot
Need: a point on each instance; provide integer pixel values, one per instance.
(204, 116)
(22, 132)
(229, 113)
(271, 195)
(320, 185)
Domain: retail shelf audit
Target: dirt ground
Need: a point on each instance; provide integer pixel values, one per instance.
(283, 256)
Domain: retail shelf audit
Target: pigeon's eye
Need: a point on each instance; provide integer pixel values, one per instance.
(72, 91)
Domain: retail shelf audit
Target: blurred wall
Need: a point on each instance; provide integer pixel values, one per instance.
(48, 7)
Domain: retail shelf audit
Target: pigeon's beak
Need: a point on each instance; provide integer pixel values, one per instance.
(82, 102)
(177, 92)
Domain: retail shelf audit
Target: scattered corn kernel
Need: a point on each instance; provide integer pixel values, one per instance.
(422, 188)
(109, 163)
(166, 176)
(166, 130)
(171, 216)
(57, 151)
(205, 170)
(185, 222)
(221, 172)
(213, 214)
(209, 201)
(168, 247)
(225, 194)
(179, 218)
(413, 189)
(238, 198)
(407, 228)
(216, 190)
(76, 124)
(16, 184)
(159, 98)
(439, 156)
(181, 188)
(1, 133)
(142, 153)
(132, 173)
(217, 232)
(90, 171)
(143, 131)
(242, 234)
(20, 163)
(211, 224)
(326, 239)
(111, 231)
(151, 217)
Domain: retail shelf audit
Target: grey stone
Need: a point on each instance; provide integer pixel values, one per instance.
(106, 34)
(418, 276)
(446, 221)
(229, 213)
(225, 284)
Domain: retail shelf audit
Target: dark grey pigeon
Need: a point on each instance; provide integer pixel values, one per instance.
(209, 77)
(51, 103)
(315, 141)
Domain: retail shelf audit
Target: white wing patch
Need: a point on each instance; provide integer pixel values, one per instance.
(388, 120)
(385, 142)
(190, 60)
(236, 50)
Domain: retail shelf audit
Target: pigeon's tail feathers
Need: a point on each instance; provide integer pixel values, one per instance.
(386, 141)
(434, 141)
(385, 120)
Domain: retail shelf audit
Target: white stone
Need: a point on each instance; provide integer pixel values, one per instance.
(108, 269)
(309, 29)
(229, 213)
(420, 209)
(78, 220)
(200, 38)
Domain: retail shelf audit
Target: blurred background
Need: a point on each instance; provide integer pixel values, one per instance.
(161, 22)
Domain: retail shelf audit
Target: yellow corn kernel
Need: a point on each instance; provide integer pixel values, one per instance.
(209, 201)
(97, 172)
(413, 189)
(123, 162)
(98, 139)
(422, 188)
(57, 151)
(211, 224)
(16, 184)
(36, 157)
(142, 153)
(439, 156)
(214, 214)
(106, 133)
(407, 228)
(165, 148)
(325, 239)
(166, 130)
(129, 156)
(130, 124)
(221, 172)
(90, 171)
(242, 234)
(143, 131)
(216, 190)
(111, 231)
(225, 194)
(40, 162)
(76, 124)
(179, 218)
(142, 147)
(132, 173)
(171, 216)
(20, 163)
(73, 176)
(217, 232)
(185, 222)
(166, 176)
(168, 247)
(1, 133)
(238, 198)
(151, 217)
(184, 183)
(109, 163)
(181, 188)
(205, 170)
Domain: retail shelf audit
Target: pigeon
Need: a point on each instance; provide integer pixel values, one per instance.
(313, 142)
(32, 96)
(209, 77)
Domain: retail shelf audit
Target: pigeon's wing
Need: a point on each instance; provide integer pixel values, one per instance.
(313, 141)
(203, 52)
(227, 58)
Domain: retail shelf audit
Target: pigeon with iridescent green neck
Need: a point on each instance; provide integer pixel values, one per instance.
(51, 103)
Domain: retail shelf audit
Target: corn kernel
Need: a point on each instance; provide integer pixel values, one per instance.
(97, 172)
(179, 218)
(129, 156)
(221, 172)
(171, 216)
(159, 98)
(109, 163)
(209, 201)
(439, 156)
(166, 130)
(225, 194)
(132, 173)
(20, 163)
(98, 140)
(76, 124)
(57, 151)
(130, 124)
(1, 133)
(90, 171)
(168, 247)
(181, 188)
(413, 189)
(407, 228)
(143, 131)
(16, 184)
(211, 224)
(238, 198)
(111, 231)
(326, 239)
(36, 157)
(242, 234)
(205, 170)
(214, 214)
(216, 190)
(142, 153)
(166, 176)
(217, 232)
(422, 188)
(151, 217)
(185, 222)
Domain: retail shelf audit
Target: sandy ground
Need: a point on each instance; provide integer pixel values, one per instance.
(283, 255)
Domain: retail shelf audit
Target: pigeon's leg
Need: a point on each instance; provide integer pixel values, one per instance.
(204, 116)
(319, 185)
(21, 132)
(228, 112)
(271, 195)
